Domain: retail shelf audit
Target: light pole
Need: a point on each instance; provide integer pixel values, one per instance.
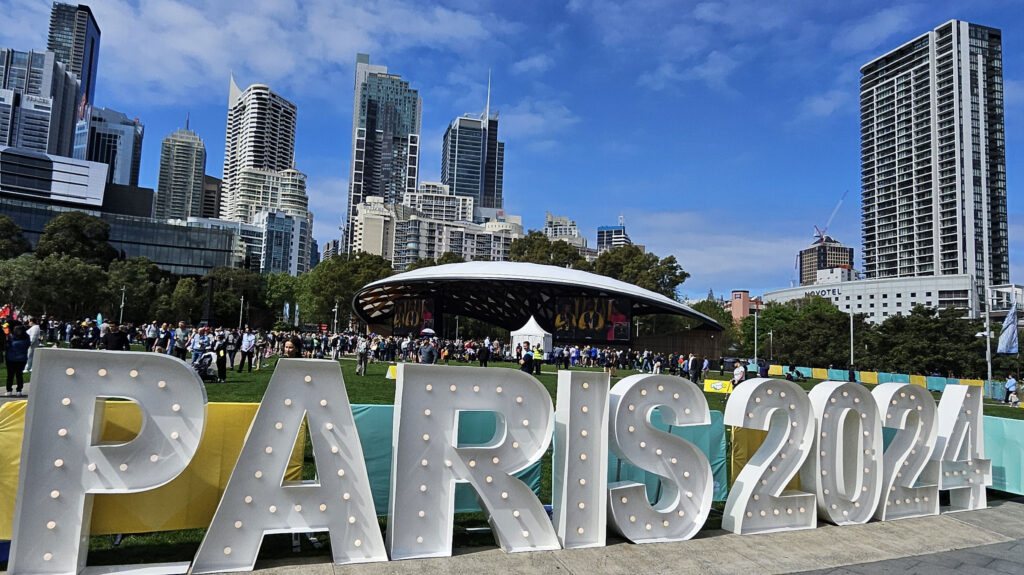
(335, 317)
(988, 332)
(755, 334)
(638, 327)
(851, 338)
(121, 319)
(771, 345)
(241, 308)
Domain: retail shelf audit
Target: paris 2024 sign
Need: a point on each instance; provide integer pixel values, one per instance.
(831, 437)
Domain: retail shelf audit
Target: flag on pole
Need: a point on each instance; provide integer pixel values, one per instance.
(1008, 335)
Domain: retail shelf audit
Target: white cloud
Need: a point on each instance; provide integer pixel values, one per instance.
(744, 254)
(824, 104)
(1013, 93)
(713, 71)
(870, 32)
(167, 51)
(537, 64)
(530, 119)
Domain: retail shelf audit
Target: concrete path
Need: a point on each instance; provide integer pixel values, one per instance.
(982, 542)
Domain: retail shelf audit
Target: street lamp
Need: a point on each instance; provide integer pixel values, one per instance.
(771, 344)
(121, 319)
(755, 334)
(241, 308)
(851, 337)
(335, 317)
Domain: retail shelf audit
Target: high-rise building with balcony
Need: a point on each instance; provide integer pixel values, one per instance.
(609, 237)
(933, 158)
(179, 190)
(37, 102)
(386, 123)
(260, 135)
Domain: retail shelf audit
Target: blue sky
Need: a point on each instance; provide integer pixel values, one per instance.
(722, 131)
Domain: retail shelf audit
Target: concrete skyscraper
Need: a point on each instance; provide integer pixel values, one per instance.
(386, 121)
(179, 191)
(933, 158)
(260, 135)
(472, 158)
(75, 38)
(37, 102)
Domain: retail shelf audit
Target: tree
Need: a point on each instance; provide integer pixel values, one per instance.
(68, 288)
(17, 280)
(336, 281)
(185, 303)
(446, 258)
(78, 235)
(715, 311)
(230, 285)
(12, 242)
(140, 279)
(282, 288)
(642, 269)
(536, 248)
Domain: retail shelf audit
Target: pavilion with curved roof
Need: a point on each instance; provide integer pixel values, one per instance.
(507, 294)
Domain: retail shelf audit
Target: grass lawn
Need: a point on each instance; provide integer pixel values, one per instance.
(373, 388)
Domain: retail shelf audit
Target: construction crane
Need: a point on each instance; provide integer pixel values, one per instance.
(820, 232)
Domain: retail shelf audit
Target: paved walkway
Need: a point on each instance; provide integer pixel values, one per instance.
(975, 542)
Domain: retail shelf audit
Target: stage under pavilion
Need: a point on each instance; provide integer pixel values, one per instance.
(576, 307)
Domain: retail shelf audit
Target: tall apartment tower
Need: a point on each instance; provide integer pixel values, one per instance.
(933, 157)
(37, 102)
(386, 123)
(179, 189)
(115, 140)
(75, 38)
(472, 158)
(825, 253)
(260, 135)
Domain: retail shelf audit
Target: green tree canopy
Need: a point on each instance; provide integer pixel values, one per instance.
(79, 235)
(12, 242)
(140, 279)
(17, 280)
(335, 281)
(536, 248)
(643, 269)
(68, 288)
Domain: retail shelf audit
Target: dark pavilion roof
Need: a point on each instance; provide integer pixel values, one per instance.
(507, 294)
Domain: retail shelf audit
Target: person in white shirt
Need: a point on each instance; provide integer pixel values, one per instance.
(33, 338)
(738, 373)
(248, 346)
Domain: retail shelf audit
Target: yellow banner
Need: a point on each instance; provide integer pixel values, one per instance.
(717, 386)
(919, 380)
(869, 377)
(973, 382)
(745, 443)
(775, 370)
(187, 502)
(819, 373)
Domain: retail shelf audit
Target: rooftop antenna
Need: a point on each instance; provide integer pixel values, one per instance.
(487, 110)
(187, 114)
(622, 220)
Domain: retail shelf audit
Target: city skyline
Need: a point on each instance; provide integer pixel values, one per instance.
(723, 132)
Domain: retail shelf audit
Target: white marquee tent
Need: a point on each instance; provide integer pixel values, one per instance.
(533, 334)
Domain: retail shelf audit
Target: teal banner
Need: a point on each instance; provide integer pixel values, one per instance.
(936, 383)
(708, 438)
(1004, 445)
(374, 423)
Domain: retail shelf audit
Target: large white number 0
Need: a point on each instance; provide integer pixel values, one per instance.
(846, 469)
(756, 501)
(910, 481)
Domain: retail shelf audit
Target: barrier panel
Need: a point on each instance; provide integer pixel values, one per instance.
(718, 385)
(1004, 445)
(917, 380)
(186, 502)
(839, 374)
(936, 383)
(708, 438)
(805, 371)
(775, 370)
(995, 390)
(819, 373)
(972, 382)
(869, 377)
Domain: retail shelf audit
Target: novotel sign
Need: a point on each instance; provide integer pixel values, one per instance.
(831, 437)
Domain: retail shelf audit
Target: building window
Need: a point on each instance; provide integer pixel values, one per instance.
(860, 297)
(885, 314)
(912, 294)
(872, 306)
(885, 305)
(872, 296)
(899, 304)
(859, 306)
(847, 299)
(928, 294)
(885, 296)
(899, 295)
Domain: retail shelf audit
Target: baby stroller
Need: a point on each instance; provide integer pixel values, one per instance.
(206, 367)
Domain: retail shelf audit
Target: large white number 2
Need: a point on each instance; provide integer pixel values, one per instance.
(910, 481)
(756, 501)
(960, 449)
